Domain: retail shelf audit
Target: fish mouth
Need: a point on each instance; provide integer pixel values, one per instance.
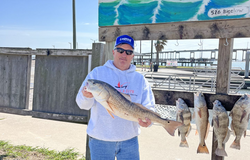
(86, 86)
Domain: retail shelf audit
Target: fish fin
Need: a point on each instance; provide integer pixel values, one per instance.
(184, 144)
(245, 133)
(177, 117)
(171, 126)
(144, 108)
(202, 149)
(110, 113)
(231, 114)
(107, 106)
(179, 133)
(220, 152)
(189, 130)
(181, 117)
(217, 121)
(212, 124)
(232, 129)
(199, 113)
(126, 96)
(235, 145)
(243, 115)
(208, 126)
(227, 136)
(196, 132)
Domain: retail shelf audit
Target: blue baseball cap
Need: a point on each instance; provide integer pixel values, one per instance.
(125, 39)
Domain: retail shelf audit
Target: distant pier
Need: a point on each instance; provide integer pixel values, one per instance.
(196, 57)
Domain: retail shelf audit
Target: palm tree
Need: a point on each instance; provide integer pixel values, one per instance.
(159, 46)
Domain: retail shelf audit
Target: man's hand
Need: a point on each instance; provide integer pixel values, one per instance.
(86, 94)
(144, 124)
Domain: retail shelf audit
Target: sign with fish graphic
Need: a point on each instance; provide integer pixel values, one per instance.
(126, 12)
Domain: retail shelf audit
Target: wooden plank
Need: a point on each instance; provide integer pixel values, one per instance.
(169, 97)
(230, 28)
(224, 65)
(56, 84)
(14, 77)
(24, 112)
(62, 52)
(44, 115)
(45, 52)
(60, 117)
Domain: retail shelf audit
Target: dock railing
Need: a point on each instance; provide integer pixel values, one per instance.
(201, 79)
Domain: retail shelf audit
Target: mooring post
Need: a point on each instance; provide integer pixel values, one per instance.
(223, 78)
(98, 59)
(247, 64)
(108, 55)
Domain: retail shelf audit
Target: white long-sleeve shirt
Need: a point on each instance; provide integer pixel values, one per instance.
(101, 125)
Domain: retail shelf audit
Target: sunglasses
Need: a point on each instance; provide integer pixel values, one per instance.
(120, 50)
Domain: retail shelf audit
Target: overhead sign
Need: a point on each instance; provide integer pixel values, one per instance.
(126, 12)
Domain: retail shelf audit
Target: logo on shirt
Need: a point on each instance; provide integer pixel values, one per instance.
(124, 85)
(123, 88)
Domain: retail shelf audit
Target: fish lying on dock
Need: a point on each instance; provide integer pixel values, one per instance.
(240, 117)
(119, 104)
(220, 123)
(201, 119)
(183, 116)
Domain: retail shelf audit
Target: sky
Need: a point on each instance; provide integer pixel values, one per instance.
(48, 24)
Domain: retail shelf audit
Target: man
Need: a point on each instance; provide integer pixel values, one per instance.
(110, 138)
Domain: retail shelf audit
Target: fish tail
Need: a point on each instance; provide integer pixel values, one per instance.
(202, 149)
(235, 145)
(184, 144)
(171, 126)
(220, 152)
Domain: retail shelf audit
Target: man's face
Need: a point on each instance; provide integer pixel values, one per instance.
(122, 60)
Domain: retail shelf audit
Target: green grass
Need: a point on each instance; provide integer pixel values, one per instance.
(8, 151)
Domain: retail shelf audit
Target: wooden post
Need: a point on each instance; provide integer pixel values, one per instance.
(98, 56)
(108, 50)
(29, 59)
(223, 78)
(247, 64)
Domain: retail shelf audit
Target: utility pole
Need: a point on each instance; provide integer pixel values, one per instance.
(74, 25)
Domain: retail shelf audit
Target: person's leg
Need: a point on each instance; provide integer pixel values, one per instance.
(128, 150)
(101, 150)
